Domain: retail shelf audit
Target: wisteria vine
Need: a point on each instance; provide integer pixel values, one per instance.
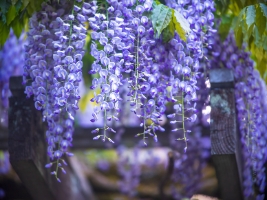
(128, 53)
(53, 66)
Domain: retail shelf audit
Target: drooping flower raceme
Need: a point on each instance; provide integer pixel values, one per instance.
(125, 35)
(54, 63)
(130, 170)
(108, 64)
(185, 59)
(145, 85)
(184, 69)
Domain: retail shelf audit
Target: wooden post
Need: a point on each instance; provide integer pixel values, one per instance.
(27, 149)
(3, 138)
(225, 139)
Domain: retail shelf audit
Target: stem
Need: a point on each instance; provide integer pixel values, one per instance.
(57, 168)
(71, 24)
(105, 98)
(106, 5)
(144, 135)
(105, 122)
(136, 68)
(183, 112)
(46, 103)
(248, 130)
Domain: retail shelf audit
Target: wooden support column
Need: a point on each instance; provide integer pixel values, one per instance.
(27, 148)
(225, 139)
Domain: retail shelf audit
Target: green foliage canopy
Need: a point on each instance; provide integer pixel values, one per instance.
(166, 21)
(15, 14)
(248, 19)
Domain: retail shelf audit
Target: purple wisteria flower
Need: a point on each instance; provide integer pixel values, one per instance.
(54, 63)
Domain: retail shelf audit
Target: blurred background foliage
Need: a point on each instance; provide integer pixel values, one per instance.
(15, 14)
(248, 20)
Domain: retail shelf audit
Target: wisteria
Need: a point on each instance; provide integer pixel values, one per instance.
(11, 64)
(188, 166)
(187, 63)
(126, 35)
(250, 94)
(155, 72)
(129, 169)
(135, 68)
(53, 64)
(186, 59)
(127, 52)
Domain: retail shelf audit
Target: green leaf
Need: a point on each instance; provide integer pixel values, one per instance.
(181, 24)
(14, 2)
(243, 2)
(257, 53)
(161, 17)
(239, 37)
(261, 67)
(156, 2)
(11, 14)
(18, 5)
(250, 15)
(264, 9)
(25, 4)
(238, 27)
(168, 32)
(242, 15)
(235, 7)
(17, 26)
(248, 35)
(34, 5)
(257, 37)
(222, 6)
(4, 32)
(260, 20)
(264, 42)
(226, 22)
(4, 6)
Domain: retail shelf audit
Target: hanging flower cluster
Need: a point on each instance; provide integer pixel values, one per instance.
(126, 36)
(53, 64)
(129, 168)
(185, 59)
(127, 54)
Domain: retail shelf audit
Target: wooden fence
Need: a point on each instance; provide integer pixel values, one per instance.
(27, 146)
